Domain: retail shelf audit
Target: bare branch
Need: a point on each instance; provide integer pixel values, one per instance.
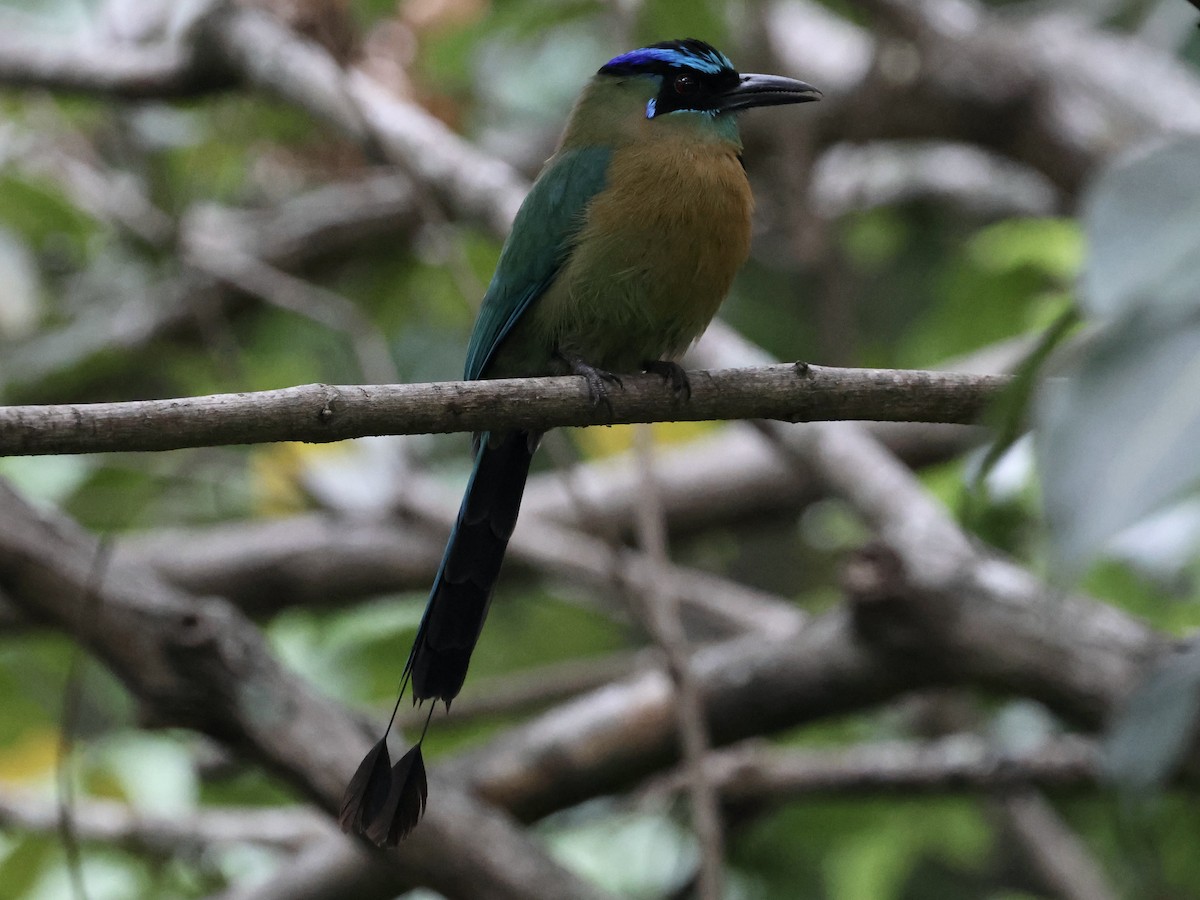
(1055, 853)
(1046, 88)
(314, 559)
(1091, 656)
(722, 606)
(327, 221)
(924, 556)
(536, 688)
(756, 774)
(320, 305)
(201, 664)
(851, 177)
(166, 836)
(659, 610)
(66, 157)
(264, 566)
(133, 71)
(321, 413)
(324, 222)
(330, 870)
(268, 55)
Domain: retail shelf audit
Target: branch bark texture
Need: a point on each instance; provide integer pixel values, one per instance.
(199, 663)
(320, 412)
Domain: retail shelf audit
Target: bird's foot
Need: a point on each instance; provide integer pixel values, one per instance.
(597, 380)
(672, 372)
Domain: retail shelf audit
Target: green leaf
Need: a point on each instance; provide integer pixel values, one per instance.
(1048, 245)
(1154, 730)
(155, 772)
(1011, 279)
(1142, 220)
(37, 209)
(20, 301)
(636, 854)
(47, 480)
(1117, 436)
(1009, 412)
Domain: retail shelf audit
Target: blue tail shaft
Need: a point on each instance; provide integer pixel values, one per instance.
(462, 590)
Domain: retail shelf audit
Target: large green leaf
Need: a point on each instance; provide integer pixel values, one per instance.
(1118, 435)
(1118, 431)
(1157, 724)
(1143, 225)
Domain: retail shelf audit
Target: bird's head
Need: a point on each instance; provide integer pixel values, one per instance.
(690, 76)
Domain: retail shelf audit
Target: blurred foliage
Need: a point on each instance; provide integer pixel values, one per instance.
(1138, 374)
(842, 851)
(921, 284)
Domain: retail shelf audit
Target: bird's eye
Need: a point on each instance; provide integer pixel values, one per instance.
(685, 84)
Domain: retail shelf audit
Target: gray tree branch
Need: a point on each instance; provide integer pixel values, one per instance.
(94, 66)
(332, 413)
(999, 636)
(198, 663)
(106, 821)
(1055, 853)
(755, 774)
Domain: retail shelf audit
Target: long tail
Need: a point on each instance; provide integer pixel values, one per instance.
(462, 590)
(384, 802)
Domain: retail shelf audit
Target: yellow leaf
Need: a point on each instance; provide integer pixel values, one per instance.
(597, 442)
(29, 758)
(277, 474)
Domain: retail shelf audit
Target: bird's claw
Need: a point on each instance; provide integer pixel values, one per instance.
(597, 381)
(672, 372)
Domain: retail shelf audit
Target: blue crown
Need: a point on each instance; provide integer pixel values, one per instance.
(689, 53)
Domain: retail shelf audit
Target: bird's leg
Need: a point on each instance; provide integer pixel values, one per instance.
(597, 379)
(672, 372)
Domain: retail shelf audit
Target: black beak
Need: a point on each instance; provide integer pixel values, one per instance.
(767, 90)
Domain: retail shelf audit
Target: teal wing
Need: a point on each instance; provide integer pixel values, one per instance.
(541, 240)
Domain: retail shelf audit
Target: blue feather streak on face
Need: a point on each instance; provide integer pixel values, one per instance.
(652, 110)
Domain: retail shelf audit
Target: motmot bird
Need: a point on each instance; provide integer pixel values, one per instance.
(617, 260)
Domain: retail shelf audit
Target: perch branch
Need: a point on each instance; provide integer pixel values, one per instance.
(320, 413)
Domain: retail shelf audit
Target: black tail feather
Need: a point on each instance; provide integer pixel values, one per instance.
(385, 802)
(462, 591)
